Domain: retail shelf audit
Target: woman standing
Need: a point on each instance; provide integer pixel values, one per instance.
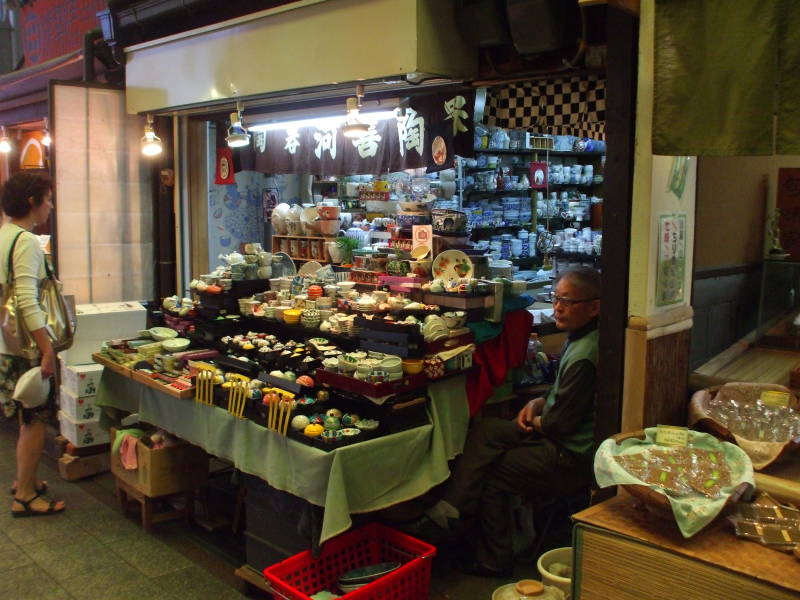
(27, 201)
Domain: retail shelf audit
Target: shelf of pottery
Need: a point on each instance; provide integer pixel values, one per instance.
(306, 233)
(544, 190)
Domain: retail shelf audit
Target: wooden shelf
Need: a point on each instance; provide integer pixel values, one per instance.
(319, 260)
(537, 151)
(305, 237)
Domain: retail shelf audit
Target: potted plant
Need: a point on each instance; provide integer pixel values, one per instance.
(345, 247)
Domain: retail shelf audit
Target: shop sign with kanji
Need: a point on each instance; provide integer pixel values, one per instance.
(429, 133)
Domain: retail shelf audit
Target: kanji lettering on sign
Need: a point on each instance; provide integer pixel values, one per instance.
(292, 141)
(455, 111)
(260, 140)
(411, 130)
(367, 145)
(326, 142)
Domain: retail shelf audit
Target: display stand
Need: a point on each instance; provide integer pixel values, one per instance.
(626, 553)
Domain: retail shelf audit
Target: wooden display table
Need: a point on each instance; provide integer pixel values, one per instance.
(623, 552)
(781, 480)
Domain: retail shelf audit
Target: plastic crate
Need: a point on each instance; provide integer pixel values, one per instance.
(298, 577)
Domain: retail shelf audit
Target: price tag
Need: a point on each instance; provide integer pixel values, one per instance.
(671, 435)
(422, 235)
(774, 398)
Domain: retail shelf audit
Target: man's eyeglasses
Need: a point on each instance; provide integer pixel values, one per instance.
(569, 301)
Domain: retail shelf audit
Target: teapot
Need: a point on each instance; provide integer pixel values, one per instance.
(234, 258)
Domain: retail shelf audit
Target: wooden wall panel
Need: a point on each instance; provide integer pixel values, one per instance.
(665, 397)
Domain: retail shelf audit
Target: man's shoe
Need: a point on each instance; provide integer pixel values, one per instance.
(479, 569)
(428, 530)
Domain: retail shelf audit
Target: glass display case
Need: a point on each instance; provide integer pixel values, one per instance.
(779, 305)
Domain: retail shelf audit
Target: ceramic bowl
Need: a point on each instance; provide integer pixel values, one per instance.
(346, 286)
(292, 315)
(160, 334)
(392, 363)
(412, 366)
(448, 221)
(349, 431)
(455, 320)
(347, 364)
(175, 344)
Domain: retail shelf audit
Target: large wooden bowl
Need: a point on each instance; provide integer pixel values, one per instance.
(656, 502)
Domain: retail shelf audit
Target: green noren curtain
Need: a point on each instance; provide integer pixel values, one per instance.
(723, 70)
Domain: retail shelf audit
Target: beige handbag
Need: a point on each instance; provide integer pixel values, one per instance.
(60, 318)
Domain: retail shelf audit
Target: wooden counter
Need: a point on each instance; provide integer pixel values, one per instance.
(782, 480)
(622, 552)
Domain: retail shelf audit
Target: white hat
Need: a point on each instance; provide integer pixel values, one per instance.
(31, 390)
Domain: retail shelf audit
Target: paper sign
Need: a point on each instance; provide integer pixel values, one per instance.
(671, 271)
(421, 235)
(774, 398)
(670, 435)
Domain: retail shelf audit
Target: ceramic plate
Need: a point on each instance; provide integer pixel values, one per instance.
(283, 265)
(452, 264)
(309, 268)
(368, 573)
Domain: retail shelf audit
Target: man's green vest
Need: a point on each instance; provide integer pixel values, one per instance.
(581, 439)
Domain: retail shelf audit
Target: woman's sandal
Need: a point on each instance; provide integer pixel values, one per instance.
(41, 490)
(31, 512)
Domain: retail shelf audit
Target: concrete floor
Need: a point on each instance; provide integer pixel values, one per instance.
(93, 552)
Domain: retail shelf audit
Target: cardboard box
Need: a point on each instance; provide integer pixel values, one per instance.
(164, 471)
(82, 433)
(80, 380)
(73, 467)
(78, 409)
(100, 322)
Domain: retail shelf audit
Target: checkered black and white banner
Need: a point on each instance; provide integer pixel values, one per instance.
(563, 106)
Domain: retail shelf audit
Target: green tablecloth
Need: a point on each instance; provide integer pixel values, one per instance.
(364, 477)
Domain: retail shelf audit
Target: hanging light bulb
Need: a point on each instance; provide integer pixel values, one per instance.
(151, 143)
(5, 144)
(46, 140)
(353, 127)
(237, 134)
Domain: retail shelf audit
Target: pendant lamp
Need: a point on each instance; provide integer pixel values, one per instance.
(151, 143)
(237, 134)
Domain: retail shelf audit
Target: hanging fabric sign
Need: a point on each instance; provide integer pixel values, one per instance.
(224, 171)
(428, 134)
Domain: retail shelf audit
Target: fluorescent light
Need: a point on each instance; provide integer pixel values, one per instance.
(326, 122)
(151, 143)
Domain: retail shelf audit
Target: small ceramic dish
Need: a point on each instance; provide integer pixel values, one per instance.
(331, 435)
(349, 431)
(367, 424)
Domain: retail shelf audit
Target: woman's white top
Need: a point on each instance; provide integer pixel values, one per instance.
(28, 271)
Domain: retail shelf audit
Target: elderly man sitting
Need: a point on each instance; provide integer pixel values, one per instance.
(545, 452)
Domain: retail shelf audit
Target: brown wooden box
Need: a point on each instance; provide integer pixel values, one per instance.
(164, 471)
(72, 468)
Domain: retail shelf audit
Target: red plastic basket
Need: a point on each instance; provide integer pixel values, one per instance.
(298, 577)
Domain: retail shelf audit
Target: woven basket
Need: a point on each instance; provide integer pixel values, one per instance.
(657, 503)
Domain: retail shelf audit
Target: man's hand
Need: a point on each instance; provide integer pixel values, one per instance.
(528, 412)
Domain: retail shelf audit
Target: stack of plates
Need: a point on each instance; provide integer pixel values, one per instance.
(352, 580)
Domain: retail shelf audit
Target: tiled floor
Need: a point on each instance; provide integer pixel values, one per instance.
(93, 552)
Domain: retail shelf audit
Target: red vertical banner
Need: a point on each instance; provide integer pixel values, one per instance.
(788, 205)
